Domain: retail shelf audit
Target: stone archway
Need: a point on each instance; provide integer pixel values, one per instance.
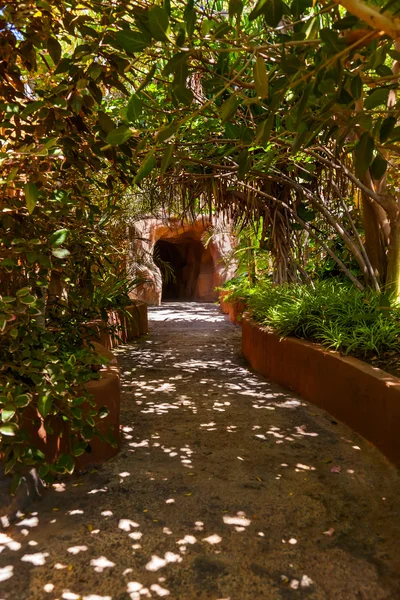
(198, 267)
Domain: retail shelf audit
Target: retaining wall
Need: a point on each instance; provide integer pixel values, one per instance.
(364, 397)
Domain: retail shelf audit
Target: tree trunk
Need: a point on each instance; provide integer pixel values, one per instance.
(374, 220)
(393, 260)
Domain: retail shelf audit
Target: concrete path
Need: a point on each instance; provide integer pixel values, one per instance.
(227, 488)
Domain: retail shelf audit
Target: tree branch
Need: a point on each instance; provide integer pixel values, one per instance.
(375, 19)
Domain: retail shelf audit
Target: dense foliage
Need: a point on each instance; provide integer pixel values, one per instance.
(330, 312)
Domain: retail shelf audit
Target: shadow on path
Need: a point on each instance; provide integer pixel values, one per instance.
(227, 488)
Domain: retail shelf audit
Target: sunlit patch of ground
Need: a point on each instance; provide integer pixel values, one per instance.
(227, 488)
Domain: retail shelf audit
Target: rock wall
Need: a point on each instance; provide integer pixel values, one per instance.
(203, 267)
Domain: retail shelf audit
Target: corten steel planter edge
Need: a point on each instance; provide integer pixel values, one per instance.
(362, 396)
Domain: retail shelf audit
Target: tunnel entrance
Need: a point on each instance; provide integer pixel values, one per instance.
(184, 264)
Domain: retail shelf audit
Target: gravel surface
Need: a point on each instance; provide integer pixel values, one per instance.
(227, 487)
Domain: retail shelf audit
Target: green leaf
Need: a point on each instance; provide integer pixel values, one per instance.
(134, 108)
(105, 122)
(376, 98)
(260, 75)
(31, 196)
(147, 79)
(378, 167)
(31, 108)
(302, 104)
(54, 49)
(166, 133)
(244, 163)
(235, 8)
(363, 154)
(60, 252)
(180, 38)
(22, 400)
(44, 404)
(273, 12)
(79, 448)
(64, 66)
(189, 16)
(356, 87)
(271, 9)
(28, 299)
(66, 462)
(304, 213)
(264, 130)
(258, 9)
(146, 167)
(12, 174)
(298, 7)
(166, 159)
(174, 62)
(131, 41)
(184, 94)
(118, 136)
(15, 481)
(331, 40)
(10, 465)
(7, 414)
(9, 429)
(386, 129)
(158, 23)
(43, 470)
(58, 237)
(103, 412)
(346, 22)
(302, 134)
(228, 108)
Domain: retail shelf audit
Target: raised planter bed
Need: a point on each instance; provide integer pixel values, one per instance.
(105, 392)
(234, 309)
(364, 397)
(126, 328)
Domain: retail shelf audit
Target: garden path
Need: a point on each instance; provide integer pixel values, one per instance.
(227, 488)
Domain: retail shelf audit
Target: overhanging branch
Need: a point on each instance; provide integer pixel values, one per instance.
(375, 19)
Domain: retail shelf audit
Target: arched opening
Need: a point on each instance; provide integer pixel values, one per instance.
(184, 263)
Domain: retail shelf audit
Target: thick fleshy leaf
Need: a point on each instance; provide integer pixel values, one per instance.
(54, 49)
(58, 237)
(363, 154)
(44, 404)
(9, 429)
(386, 128)
(131, 41)
(378, 167)
(159, 23)
(119, 136)
(31, 196)
(7, 414)
(66, 462)
(260, 77)
(134, 108)
(60, 252)
(146, 167)
(378, 97)
(166, 159)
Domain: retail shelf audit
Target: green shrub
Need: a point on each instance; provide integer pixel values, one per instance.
(333, 313)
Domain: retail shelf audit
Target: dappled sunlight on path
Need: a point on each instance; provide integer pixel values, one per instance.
(227, 488)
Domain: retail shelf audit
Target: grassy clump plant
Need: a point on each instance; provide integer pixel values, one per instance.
(333, 313)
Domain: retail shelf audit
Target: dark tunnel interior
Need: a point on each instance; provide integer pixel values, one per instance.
(180, 263)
